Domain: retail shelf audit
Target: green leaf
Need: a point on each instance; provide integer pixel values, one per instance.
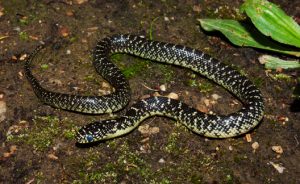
(242, 34)
(272, 21)
(275, 63)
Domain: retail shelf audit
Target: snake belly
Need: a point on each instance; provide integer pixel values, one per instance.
(216, 126)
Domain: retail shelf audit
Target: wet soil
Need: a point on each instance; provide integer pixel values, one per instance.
(37, 141)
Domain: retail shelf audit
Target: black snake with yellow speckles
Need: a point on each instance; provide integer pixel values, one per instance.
(218, 126)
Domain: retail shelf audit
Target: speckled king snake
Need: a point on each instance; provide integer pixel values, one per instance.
(218, 126)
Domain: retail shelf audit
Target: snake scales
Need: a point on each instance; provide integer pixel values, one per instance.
(218, 126)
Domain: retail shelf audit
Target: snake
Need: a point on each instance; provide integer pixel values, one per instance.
(204, 124)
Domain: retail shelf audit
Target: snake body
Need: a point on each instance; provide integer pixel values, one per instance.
(218, 126)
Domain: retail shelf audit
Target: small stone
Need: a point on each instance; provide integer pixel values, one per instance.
(173, 95)
(277, 149)
(14, 58)
(161, 161)
(166, 19)
(23, 57)
(248, 138)
(230, 148)
(68, 52)
(20, 74)
(255, 145)
(162, 87)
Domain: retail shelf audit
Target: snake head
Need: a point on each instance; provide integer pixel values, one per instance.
(96, 131)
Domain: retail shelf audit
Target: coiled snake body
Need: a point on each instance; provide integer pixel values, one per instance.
(218, 126)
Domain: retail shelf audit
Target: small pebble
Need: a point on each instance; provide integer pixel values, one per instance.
(68, 52)
(162, 161)
(173, 96)
(277, 149)
(23, 57)
(230, 148)
(162, 87)
(255, 145)
(248, 138)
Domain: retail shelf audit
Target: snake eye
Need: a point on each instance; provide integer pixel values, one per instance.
(89, 138)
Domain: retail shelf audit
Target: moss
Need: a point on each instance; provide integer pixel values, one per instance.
(130, 69)
(282, 76)
(196, 178)
(171, 146)
(41, 136)
(205, 86)
(258, 81)
(44, 66)
(69, 133)
(23, 36)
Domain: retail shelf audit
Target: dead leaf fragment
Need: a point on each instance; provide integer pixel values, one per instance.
(2, 111)
(197, 8)
(147, 130)
(80, 1)
(64, 31)
(278, 167)
(69, 13)
(52, 156)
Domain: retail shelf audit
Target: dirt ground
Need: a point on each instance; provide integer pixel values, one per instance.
(37, 142)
